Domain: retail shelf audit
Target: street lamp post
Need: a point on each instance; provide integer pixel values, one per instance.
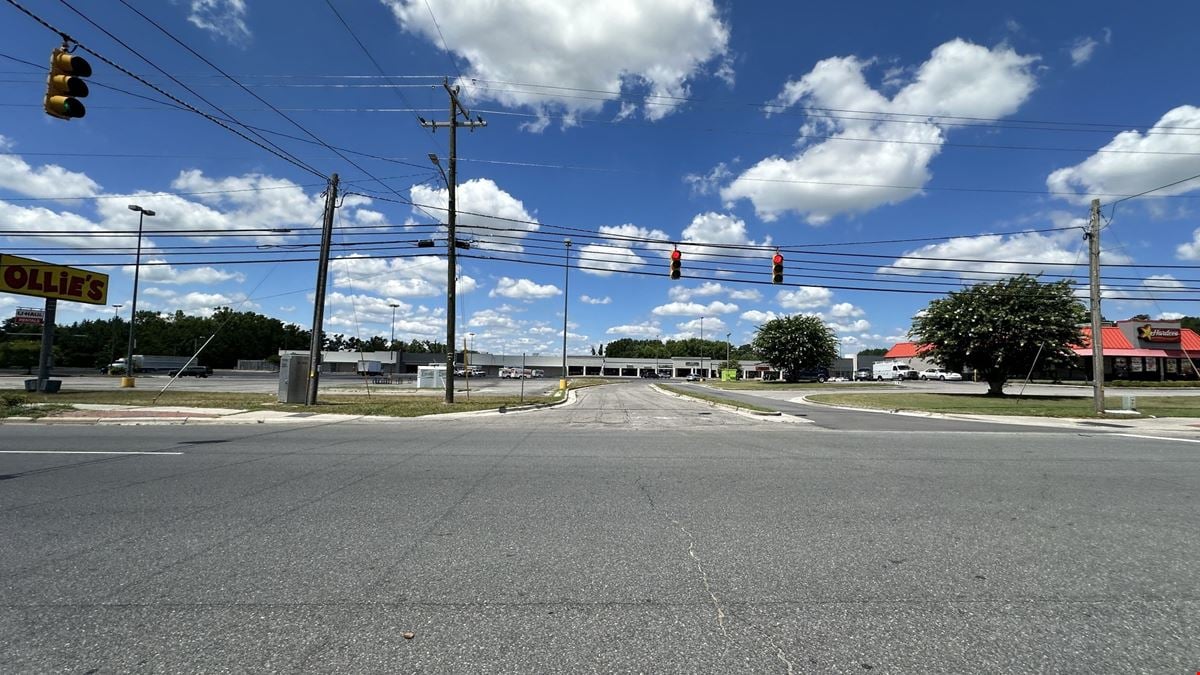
(127, 379)
(392, 342)
(467, 361)
(112, 352)
(562, 384)
(727, 344)
(705, 374)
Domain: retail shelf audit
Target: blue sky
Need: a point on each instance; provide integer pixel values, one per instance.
(631, 127)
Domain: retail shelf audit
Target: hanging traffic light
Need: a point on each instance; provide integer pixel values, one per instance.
(777, 269)
(65, 86)
(676, 263)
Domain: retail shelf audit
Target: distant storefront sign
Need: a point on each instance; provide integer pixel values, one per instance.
(29, 316)
(1148, 333)
(25, 276)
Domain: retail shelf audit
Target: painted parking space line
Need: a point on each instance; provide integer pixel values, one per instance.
(1160, 438)
(80, 452)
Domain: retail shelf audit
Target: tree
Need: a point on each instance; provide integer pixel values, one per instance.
(873, 352)
(998, 329)
(795, 343)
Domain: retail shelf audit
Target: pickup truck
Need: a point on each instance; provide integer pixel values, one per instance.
(191, 371)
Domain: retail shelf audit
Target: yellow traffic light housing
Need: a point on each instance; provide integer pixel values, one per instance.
(65, 85)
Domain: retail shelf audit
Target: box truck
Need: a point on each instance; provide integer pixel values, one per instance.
(150, 363)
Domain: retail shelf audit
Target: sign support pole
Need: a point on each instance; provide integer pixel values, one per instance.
(46, 355)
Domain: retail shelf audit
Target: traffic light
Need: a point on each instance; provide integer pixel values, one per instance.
(676, 263)
(65, 86)
(777, 269)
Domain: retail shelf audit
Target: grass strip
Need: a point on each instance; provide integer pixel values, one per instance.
(775, 385)
(341, 404)
(712, 398)
(1034, 406)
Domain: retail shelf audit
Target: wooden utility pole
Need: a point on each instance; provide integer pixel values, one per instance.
(314, 348)
(1093, 236)
(456, 108)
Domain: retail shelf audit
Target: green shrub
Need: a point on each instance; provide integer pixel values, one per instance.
(1148, 383)
(10, 400)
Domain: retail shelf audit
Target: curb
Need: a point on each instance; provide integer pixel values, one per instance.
(772, 416)
(1076, 423)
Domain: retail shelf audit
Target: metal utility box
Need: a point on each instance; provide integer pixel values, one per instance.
(293, 378)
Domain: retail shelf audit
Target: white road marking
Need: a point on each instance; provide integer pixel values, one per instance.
(1160, 438)
(80, 452)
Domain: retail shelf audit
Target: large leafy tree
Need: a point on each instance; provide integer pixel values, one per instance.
(997, 329)
(796, 343)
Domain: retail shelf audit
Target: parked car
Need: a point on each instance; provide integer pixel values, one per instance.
(863, 375)
(192, 371)
(812, 374)
(941, 374)
(693, 378)
(650, 374)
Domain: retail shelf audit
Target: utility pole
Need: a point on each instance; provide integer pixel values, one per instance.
(456, 108)
(314, 348)
(1093, 237)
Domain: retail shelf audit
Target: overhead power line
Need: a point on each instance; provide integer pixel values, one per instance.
(278, 152)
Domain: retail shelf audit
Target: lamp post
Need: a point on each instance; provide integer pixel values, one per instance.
(467, 361)
(727, 345)
(705, 374)
(127, 379)
(392, 342)
(562, 384)
(112, 352)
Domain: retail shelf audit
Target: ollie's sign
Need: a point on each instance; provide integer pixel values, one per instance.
(1148, 333)
(24, 276)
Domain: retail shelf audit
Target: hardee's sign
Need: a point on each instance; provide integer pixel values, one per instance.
(1150, 333)
(24, 276)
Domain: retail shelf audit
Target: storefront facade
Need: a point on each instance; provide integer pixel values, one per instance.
(1144, 350)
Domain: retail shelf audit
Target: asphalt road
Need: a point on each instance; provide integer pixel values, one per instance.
(630, 532)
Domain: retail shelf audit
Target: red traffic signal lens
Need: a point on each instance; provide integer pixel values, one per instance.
(676, 255)
(778, 259)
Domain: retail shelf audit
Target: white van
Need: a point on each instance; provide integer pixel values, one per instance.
(892, 370)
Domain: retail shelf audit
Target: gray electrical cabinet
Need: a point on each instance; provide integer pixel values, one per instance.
(293, 378)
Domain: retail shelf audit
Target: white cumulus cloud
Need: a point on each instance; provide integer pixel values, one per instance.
(589, 300)
(1135, 161)
(643, 330)
(804, 297)
(838, 175)
(47, 180)
(480, 204)
(533, 53)
(523, 289)
(759, 317)
(224, 18)
(694, 308)
(617, 254)
(156, 270)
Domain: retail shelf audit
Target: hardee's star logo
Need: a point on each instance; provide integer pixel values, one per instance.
(1144, 332)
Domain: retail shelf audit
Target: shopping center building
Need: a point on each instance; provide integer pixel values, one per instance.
(1132, 350)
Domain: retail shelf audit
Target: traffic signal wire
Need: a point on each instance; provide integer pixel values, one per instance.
(246, 89)
(278, 152)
